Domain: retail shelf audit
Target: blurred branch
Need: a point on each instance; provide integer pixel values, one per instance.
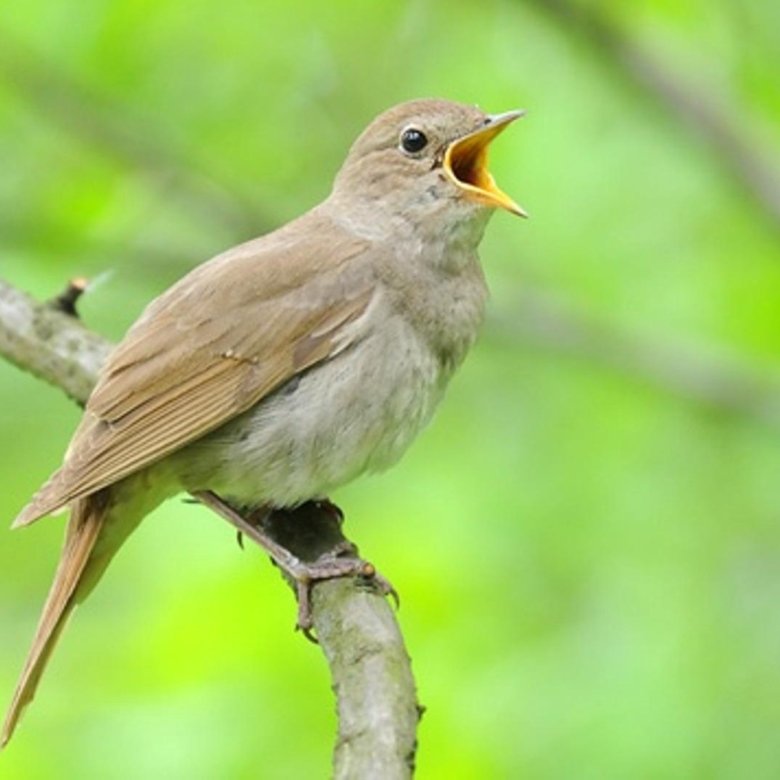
(750, 162)
(541, 320)
(64, 102)
(356, 628)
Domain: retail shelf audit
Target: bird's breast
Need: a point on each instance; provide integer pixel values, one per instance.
(356, 412)
(442, 299)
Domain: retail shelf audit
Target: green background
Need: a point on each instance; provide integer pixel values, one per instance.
(586, 539)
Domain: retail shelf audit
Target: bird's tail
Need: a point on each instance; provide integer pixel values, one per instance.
(77, 573)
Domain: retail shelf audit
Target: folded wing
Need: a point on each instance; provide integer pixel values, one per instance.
(209, 349)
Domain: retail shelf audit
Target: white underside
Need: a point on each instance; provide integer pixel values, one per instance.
(354, 413)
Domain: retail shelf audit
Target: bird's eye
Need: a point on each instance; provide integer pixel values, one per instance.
(413, 140)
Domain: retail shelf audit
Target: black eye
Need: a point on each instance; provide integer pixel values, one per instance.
(413, 140)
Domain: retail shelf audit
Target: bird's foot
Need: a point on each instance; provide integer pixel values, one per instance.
(341, 561)
(306, 544)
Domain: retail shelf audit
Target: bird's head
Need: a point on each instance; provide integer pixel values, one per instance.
(425, 158)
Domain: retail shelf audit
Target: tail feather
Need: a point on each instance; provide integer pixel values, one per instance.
(50, 498)
(84, 527)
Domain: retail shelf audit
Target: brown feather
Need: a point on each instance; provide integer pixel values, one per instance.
(83, 530)
(194, 360)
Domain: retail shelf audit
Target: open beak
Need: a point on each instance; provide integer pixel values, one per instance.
(465, 163)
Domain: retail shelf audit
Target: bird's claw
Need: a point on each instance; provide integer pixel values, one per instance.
(328, 567)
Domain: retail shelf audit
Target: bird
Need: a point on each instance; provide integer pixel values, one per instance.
(290, 364)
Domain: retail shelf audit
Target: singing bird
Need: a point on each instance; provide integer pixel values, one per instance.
(290, 364)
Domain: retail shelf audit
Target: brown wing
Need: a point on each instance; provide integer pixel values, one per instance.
(210, 348)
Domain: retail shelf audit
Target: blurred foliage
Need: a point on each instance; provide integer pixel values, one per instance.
(588, 557)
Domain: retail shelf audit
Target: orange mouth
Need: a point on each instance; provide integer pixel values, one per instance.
(465, 163)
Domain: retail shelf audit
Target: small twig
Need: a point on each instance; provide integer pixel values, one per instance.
(67, 299)
(49, 344)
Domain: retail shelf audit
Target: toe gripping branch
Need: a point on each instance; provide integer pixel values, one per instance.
(306, 543)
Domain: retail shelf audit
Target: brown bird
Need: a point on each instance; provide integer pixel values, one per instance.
(290, 364)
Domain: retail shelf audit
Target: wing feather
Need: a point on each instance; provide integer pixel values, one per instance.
(196, 359)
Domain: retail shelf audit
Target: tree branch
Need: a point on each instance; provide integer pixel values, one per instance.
(49, 344)
(356, 627)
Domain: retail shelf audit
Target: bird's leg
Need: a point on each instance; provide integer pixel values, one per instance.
(305, 543)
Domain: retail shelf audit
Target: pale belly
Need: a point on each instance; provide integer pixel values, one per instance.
(357, 412)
